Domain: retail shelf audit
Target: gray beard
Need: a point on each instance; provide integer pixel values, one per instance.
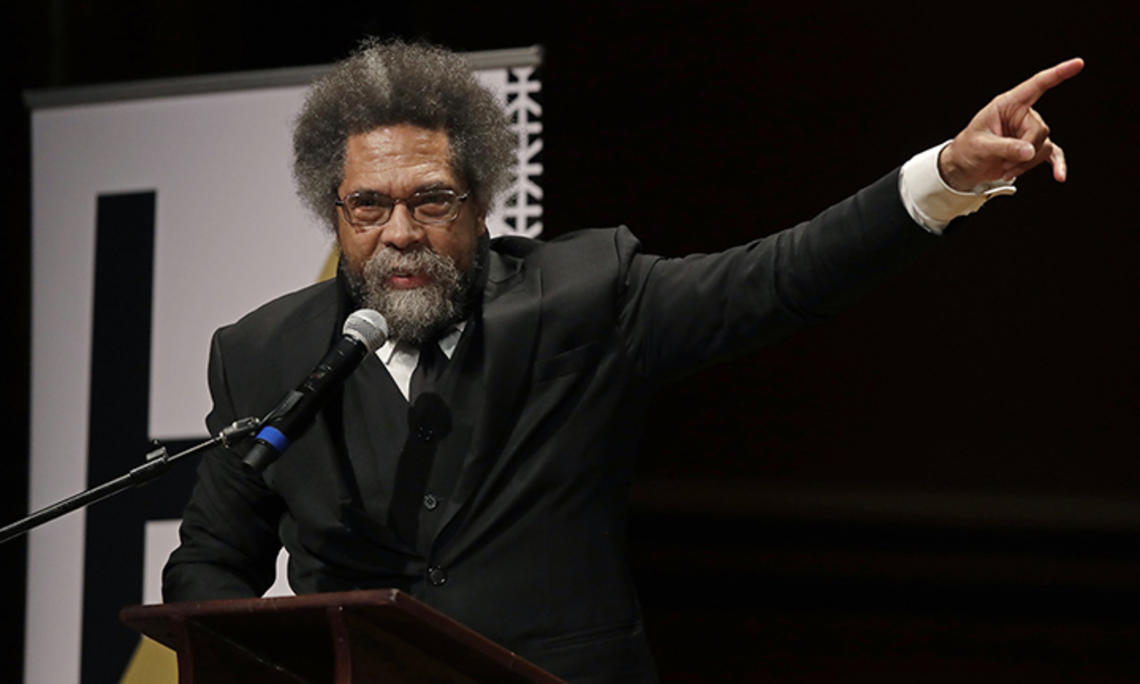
(418, 314)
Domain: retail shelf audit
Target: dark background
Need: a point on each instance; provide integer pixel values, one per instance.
(942, 482)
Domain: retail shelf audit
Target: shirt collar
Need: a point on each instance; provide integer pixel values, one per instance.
(448, 341)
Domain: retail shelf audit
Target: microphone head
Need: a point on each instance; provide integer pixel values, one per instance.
(369, 327)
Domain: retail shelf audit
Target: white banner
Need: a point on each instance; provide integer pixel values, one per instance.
(229, 234)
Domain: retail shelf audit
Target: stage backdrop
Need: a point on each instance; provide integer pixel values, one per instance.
(161, 211)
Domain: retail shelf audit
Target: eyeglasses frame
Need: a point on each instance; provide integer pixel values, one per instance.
(340, 202)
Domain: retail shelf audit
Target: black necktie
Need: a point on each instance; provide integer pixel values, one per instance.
(428, 371)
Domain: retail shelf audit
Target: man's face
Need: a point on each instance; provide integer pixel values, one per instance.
(398, 161)
(411, 272)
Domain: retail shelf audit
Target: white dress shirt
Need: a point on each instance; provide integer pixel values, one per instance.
(932, 203)
(401, 358)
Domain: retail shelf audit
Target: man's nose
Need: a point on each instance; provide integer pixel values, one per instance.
(401, 232)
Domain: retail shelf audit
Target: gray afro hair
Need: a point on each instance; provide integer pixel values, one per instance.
(389, 83)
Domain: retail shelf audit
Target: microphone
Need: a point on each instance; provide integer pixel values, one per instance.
(364, 332)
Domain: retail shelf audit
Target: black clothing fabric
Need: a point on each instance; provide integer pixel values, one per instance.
(532, 433)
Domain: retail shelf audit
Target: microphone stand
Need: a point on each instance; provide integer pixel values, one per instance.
(157, 463)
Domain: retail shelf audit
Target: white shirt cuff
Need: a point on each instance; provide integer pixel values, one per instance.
(931, 202)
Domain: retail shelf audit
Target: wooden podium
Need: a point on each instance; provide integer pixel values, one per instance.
(358, 637)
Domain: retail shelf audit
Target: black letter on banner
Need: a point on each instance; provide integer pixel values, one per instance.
(117, 431)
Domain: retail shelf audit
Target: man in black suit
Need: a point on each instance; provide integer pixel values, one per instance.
(480, 460)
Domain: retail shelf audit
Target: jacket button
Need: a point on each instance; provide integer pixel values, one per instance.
(430, 502)
(437, 576)
(425, 434)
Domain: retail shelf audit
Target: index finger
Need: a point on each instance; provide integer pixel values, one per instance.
(1028, 92)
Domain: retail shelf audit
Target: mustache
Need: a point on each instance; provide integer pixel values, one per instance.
(390, 261)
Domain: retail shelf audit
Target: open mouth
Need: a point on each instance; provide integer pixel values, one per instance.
(406, 280)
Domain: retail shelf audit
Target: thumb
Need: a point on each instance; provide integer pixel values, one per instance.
(997, 148)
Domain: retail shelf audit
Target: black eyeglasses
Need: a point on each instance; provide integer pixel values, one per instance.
(371, 209)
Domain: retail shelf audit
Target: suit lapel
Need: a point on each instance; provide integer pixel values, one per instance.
(301, 347)
(303, 343)
(511, 316)
(307, 338)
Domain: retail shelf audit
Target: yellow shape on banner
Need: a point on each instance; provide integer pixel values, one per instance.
(329, 270)
(151, 663)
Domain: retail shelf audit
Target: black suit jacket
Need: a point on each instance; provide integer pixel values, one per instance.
(574, 335)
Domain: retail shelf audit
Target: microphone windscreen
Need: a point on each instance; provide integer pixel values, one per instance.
(369, 327)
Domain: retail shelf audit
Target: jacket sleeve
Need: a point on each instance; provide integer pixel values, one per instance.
(678, 314)
(229, 540)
